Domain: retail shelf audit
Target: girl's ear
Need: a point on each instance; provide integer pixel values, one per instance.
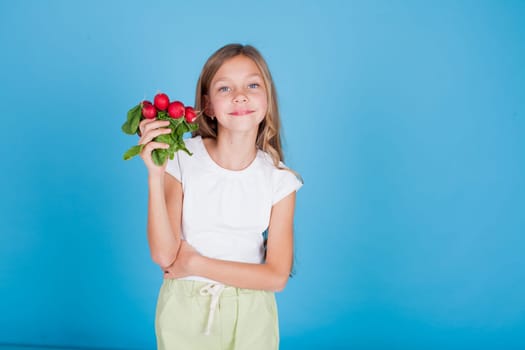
(208, 108)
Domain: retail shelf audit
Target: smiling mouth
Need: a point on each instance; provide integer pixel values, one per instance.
(241, 112)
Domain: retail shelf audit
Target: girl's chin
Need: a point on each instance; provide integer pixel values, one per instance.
(244, 123)
(240, 128)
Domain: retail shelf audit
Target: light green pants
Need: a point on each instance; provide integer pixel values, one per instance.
(193, 315)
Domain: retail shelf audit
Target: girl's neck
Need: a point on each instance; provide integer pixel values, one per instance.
(232, 151)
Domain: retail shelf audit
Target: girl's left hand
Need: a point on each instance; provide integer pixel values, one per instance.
(181, 267)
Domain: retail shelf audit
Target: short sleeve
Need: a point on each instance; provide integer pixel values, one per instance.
(173, 167)
(285, 182)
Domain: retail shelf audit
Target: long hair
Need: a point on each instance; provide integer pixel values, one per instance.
(268, 135)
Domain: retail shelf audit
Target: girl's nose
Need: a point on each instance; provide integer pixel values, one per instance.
(240, 98)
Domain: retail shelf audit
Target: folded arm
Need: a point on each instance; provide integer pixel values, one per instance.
(271, 275)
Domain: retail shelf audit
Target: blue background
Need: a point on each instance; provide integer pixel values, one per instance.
(405, 118)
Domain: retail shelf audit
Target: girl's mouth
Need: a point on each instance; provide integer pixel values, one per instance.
(241, 112)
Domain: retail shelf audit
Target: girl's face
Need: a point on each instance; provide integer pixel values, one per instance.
(237, 95)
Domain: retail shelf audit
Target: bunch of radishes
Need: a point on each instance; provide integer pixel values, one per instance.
(181, 118)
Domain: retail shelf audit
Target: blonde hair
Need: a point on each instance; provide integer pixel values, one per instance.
(268, 135)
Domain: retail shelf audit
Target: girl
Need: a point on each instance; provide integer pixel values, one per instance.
(220, 222)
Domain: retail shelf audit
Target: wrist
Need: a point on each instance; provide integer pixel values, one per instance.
(156, 179)
(195, 264)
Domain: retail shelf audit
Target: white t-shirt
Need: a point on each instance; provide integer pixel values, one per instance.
(226, 212)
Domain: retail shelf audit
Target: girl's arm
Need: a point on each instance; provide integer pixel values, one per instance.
(272, 275)
(165, 196)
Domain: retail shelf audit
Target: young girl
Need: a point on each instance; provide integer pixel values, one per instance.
(220, 222)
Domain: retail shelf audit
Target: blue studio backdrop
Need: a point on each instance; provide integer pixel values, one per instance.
(406, 120)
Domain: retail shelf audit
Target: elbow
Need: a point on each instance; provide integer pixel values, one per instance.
(163, 260)
(164, 256)
(278, 275)
(279, 282)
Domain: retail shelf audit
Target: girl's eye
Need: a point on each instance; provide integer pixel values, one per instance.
(254, 86)
(224, 89)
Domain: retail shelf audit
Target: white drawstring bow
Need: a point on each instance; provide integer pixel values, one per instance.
(215, 291)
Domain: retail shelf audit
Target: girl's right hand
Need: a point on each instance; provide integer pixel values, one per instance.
(149, 129)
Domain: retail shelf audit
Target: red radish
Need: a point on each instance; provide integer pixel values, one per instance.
(176, 109)
(189, 114)
(161, 101)
(145, 103)
(149, 111)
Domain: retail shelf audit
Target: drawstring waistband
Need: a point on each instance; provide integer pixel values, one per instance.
(215, 291)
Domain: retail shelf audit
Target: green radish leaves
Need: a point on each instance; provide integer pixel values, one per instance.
(132, 123)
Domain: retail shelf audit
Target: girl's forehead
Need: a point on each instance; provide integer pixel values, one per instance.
(237, 67)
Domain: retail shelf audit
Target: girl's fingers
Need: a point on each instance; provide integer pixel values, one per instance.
(154, 145)
(150, 135)
(147, 156)
(150, 124)
(142, 125)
